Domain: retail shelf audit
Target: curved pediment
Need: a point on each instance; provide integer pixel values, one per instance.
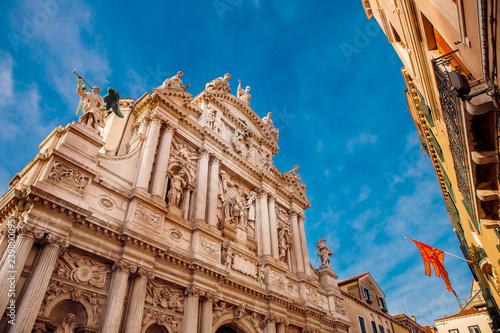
(240, 115)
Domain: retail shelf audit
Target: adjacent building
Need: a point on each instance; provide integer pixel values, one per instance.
(473, 318)
(366, 306)
(170, 219)
(449, 52)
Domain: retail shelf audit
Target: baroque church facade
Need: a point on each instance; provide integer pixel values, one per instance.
(170, 219)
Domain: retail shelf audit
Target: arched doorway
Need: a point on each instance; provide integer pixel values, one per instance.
(228, 329)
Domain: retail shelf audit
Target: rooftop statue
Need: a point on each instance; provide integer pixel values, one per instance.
(270, 125)
(324, 252)
(95, 107)
(219, 84)
(175, 82)
(244, 95)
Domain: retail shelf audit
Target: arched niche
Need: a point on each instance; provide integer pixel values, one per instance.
(155, 328)
(59, 311)
(227, 324)
(152, 326)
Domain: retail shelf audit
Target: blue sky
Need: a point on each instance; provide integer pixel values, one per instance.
(328, 75)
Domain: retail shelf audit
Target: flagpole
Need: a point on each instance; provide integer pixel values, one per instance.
(450, 254)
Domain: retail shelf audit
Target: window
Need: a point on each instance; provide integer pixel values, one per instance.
(454, 331)
(381, 328)
(474, 329)
(362, 324)
(374, 327)
(382, 303)
(366, 294)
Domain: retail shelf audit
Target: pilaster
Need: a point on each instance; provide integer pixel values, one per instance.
(296, 244)
(213, 190)
(191, 303)
(264, 220)
(201, 188)
(273, 225)
(305, 253)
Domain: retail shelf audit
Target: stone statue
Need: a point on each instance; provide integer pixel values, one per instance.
(242, 141)
(244, 95)
(229, 258)
(238, 211)
(283, 243)
(219, 84)
(92, 106)
(224, 182)
(250, 209)
(217, 124)
(260, 273)
(210, 117)
(175, 82)
(270, 125)
(324, 252)
(177, 184)
(267, 163)
(67, 325)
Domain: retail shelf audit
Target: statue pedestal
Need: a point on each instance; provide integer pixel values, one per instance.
(241, 235)
(75, 140)
(328, 278)
(174, 210)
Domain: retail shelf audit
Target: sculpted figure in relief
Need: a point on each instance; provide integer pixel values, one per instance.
(175, 82)
(244, 95)
(67, 325)
(267, 163)
(324, 252)
(270, 125)
(219, 84)
(177, 184)
(229, 258)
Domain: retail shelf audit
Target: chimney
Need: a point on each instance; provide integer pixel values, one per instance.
(414, 319)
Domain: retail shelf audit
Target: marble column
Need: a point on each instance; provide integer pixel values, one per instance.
(206, 320)
(133, 320)
(296, 244)
(264, 220)
(213, 191)
(38, 282)
(200, 204)
(160, 173)
(305, 253)
(148, 155)
(281, 328)
(113, 311)
(190, 319)
(270, 324)
(15, 258)
(273, 225)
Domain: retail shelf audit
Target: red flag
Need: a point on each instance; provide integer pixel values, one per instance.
(434, 257)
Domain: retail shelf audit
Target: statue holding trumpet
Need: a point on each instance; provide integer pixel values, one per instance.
(94, 107)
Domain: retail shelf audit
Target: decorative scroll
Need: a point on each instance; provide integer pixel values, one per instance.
(69, 178)
(142, 213)
(161, 296)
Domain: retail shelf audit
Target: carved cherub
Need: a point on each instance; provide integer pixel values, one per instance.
(67, 325)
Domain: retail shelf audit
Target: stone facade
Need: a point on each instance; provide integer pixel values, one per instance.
(172, 219)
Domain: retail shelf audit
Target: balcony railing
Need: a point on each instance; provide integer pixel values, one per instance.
(442, 66)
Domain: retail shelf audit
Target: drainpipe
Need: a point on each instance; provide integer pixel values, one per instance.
(485, 42)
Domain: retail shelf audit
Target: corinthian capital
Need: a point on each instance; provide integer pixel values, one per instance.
(293, 212)
(146, 273)
(58, 241)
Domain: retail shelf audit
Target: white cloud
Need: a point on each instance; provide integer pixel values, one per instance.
(58, 44)
(364, 193)
(6, 80)
(361, 140)
(319, 146)
(326, 173)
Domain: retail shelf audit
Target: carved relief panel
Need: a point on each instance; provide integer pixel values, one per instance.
(69, 178)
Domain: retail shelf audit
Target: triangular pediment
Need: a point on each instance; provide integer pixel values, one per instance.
(368, 281)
